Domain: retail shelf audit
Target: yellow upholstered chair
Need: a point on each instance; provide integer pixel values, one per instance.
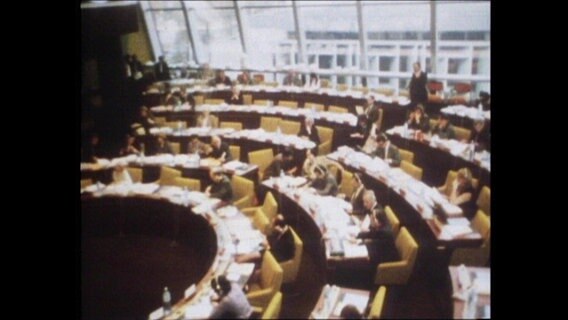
(393, 219)
(271, 84)
(269, 124)
(175, 124)
(484, 200)
(292, 266)
(269, 207)
(247, 99)
(262, 158)
(406, 155)
(433, 123)
(326, 139)
(378, 303)
(475, 257)
(198, 100)
(135, 174)
(364, 90)
(404, 93)
(270, 282)
(191, 184)
(167, 176)
(337, 109)
(315, 106)
(175, 147)
(243, 192)
(462, 133)
(342, 87)
(398, 272)
(289, 127)
(214, 101)
(452, 175)
(412, 170)
(288, 104)
(235, 152)
(346, 186)
(160, 121)
(272, 311)
(261, 102)
(235, 125)
(86, 182)
(385, 91)
(260, 221)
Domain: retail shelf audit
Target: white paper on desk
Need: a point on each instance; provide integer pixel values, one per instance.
(366, 222)
(483, 282)
(241, 268)
(456, 231)
(156, 314)
(201, 310)
(360, 302)
(189, 291)
(451, 209)
(353, 250)
(227, 211)
(458, 222)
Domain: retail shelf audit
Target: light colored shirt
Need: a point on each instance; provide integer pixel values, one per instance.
(235, 303)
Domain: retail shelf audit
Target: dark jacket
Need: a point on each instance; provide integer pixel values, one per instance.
(417, 88)
(217, 153)
(282, 247)
(222, 190)
(393, 154)
(314, 136)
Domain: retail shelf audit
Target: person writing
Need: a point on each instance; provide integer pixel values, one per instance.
(282, 162)
(324, 183)
(417, 86)
(232, 303)
(387, 151)
(220, 150)
(221, 187)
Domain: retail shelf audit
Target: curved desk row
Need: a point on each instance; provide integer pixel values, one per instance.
(436, 158)
(184, 217)
(395, 111)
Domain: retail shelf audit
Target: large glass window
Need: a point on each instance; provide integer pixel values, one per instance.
(270, 34)
(172, 35)
(216, 33)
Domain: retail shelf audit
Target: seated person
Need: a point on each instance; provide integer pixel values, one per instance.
(378, 234)
(280, 243)
(232, 301)
(175, 98)
(350, 311)
(480, 136)
(444, 129)
(120, 175)
(245, 79)
(220, 78)
(220, 150)
(462, 192)
(130, 147)
(309, 164)
(357, 196)
(360, 130)
(91, 152)
(324, 183)
(206, 120)
(314, 82)
(292, 79)
(144, 122)
(484, 100)
(236, 96)
(163, 146)
(221, 187)
(309, 131)
(418, 120)
(387, 151)
(197, 146)
(282, 162)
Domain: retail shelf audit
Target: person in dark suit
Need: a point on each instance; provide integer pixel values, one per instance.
(220, 78)
(245, 79)
(163, 146)
(444, 129)
(379, 234)
(309, 131)
(417, 86)
(162, 70)
(480, 136)
(221, 187)
(292, 79)
(387, 151)
(418, 120)
(236, 96)
(484, 100)
(232, 301)
(282, 162)
(372, 115)
(136, 67)
(91, 152)
(324, 183)
(357, 196)
(220, 150)
(130, 146)
(461, 192)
